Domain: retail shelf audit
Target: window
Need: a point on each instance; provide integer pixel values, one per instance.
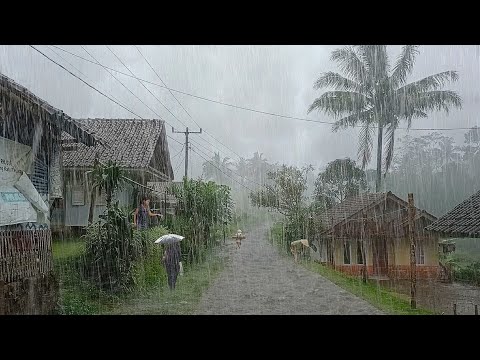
(78, 195)
(39, 177)
(100, 198)
(420, 253)
(346, 252)
(359, 252)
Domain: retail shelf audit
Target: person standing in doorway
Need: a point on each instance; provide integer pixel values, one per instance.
(173, 263)
(140, 218)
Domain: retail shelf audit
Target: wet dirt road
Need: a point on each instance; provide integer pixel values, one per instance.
(258, 280)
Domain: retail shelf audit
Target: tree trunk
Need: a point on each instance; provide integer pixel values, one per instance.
(378, 183)
(92, 196)
(92, 205)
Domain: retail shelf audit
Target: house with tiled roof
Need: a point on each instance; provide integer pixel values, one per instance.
(139, 147)
(30, 185)
(462, 221)
(369, 233)
(31, 180)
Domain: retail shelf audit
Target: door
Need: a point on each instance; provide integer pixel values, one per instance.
(380, 257)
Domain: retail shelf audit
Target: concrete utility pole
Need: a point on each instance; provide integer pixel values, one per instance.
(186, 132)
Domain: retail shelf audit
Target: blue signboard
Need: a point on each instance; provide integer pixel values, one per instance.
(9, 197)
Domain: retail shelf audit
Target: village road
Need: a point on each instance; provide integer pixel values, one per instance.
(258, 280)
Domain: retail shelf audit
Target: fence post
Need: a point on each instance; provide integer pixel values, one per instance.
(2, 297)
(413, 262)
(454, 309)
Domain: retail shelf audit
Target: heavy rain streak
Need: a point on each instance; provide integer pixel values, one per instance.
(239, 180)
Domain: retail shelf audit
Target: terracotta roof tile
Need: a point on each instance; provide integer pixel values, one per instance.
(462, 220)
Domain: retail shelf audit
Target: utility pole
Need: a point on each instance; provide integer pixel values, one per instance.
(413, 262)
(186, 132)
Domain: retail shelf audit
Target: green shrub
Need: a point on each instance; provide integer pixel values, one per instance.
(148, 271)
(111, 250)
(468, 274)
(202, 208)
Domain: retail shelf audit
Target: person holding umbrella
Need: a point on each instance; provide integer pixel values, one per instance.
(172, 257)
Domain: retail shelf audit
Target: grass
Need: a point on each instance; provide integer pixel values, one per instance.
(467, 251)
(183, 300)
(77, 297)
(383, 299)
(151, 294)
(68, 249)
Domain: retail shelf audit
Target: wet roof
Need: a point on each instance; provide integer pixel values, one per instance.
(463, 219)
(354, 204)
(56, 116)
(130, 143)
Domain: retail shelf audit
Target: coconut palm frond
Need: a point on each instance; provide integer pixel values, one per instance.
(350, 63)
(404, 64)
(436, 100)
(365, 144)
(353, 120)
(432, 82)
(338, 103)
(375, 57)
(336, 81)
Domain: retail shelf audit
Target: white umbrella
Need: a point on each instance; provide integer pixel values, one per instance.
(169, 239)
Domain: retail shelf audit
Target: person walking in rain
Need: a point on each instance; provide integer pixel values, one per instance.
(173, 263)
(238, 238)
(140, 218)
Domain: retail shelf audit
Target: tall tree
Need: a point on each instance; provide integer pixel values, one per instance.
(217, 169)
(340, 179)
(431, 166)
(258, 166)
(373, 95)
(472, 144)
(241, 168)
(286, 195)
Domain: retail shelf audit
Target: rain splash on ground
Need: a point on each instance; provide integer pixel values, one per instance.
(258, 280)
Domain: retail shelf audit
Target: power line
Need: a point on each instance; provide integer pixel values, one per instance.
(151, 67)
(246, 187)
(93, 57)
(108, 47)
(183, 107)
(178, 153)
(255, 110)
(121, 83)
(73, 66)
(187, 133)
(128, 89)
(230, 170)
(94, 88)
(127, 109)
(178, 165)
(79, 78)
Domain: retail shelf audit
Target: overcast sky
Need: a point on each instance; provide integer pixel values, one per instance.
(275, 79)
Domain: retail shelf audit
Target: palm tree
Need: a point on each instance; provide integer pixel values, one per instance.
(258, 166)
(104, 177)
(242, 169)
(371, 94)
(217, 168)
